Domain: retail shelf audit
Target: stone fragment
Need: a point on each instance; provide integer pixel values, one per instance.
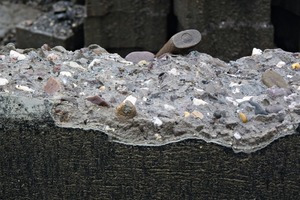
(24, 88)
(143, 63)
(65, 73)
(156, 121)
(271, 78)
(75, 65)
(52, 57)
(59, 48)
(273, 108)
(296, 66)
(237, 135)
(97, 49)
(186, 114)
(126, 110)
(197, 114)
(258, 110)
(256, 51)
(98, 101)
(174, 72)
(198, 102)
(3, 81)
(169, 107)
(131, 98)
(275, 92)
(138, 56)
(280, 64)
(94, 62)
(53, 85)
(16, 55)
(243, 117)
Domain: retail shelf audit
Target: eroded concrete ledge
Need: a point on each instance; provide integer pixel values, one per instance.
(244, 104)
(91, 125)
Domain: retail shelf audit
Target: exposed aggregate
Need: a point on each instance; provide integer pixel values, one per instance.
(244, 104)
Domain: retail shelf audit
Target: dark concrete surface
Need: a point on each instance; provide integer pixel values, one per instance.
(42, 161)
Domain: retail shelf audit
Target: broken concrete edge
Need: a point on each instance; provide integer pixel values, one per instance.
(38, 110)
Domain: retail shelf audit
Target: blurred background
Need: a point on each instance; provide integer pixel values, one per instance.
(230, 28)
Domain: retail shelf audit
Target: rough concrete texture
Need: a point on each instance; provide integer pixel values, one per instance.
(237, 26)
(122, 24)
(171, 98)
(182, 144)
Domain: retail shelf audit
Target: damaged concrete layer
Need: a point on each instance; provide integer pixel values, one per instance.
(244, 104)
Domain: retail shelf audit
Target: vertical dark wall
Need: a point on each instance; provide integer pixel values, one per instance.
(41, 161)
(286, 20)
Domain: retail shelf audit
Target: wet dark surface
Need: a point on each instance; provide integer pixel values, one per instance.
(165, 100)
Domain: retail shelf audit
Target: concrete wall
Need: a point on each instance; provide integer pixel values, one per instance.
(127, 25)
(39, 160)
(230, 28)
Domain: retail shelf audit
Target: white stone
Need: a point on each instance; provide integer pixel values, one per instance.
(143, 63)
(237, 135)
(65, 73)
(157, 136)
(246, 98)
(236, 90)
(256, 51)
(280, 64)
(2, 57)
(233, 84)
(75, 65)
(232, 100)
(3, 81)
(131, 98)
(52, 57)
(94, 62)
(24, 88)
(147, 82)
(198, 102)
(198, 90)
(16, 55)
(169, 107)
(156, 121)
(174, 72)
(107, 128)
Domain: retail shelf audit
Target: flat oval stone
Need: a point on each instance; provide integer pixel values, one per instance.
(137, 56)
(271, 78)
